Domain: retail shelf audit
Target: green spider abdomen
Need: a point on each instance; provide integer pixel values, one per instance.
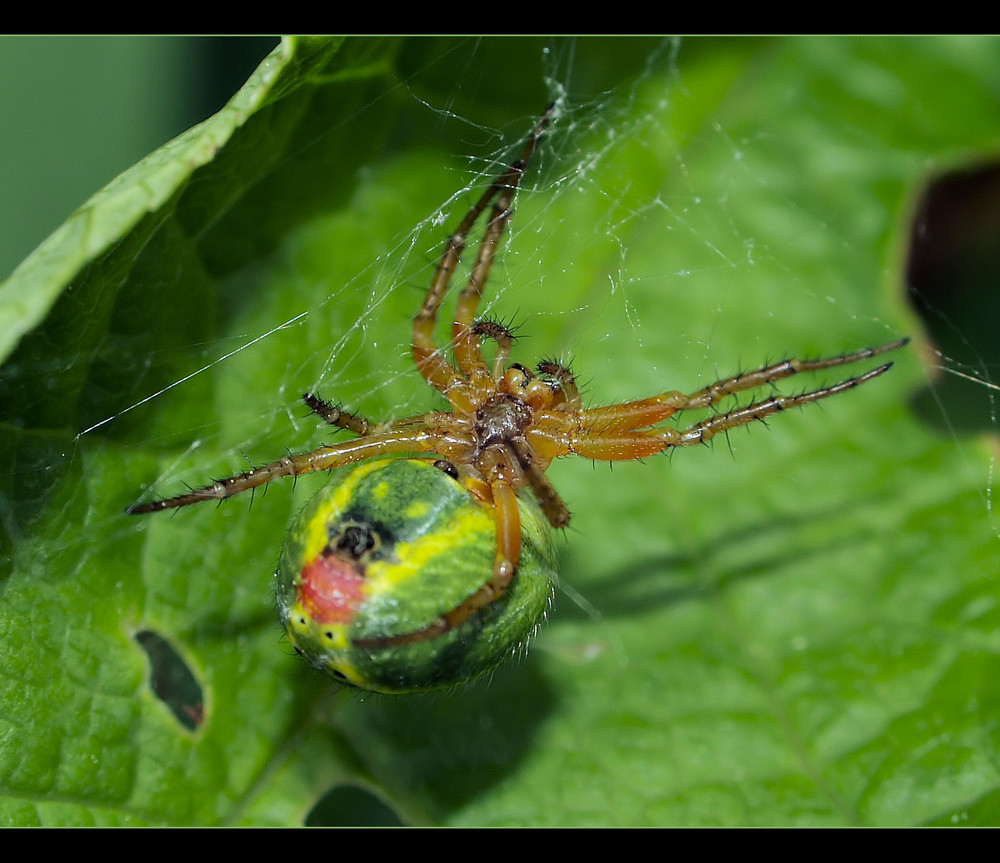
(382, 552)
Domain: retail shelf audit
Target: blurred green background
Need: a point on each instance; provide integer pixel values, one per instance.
(59, 144)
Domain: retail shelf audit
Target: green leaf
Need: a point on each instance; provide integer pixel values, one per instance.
(796, 626)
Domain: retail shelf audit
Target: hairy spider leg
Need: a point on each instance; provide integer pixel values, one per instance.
(435, 368)
(468, 356)
(335, 416)
(322, 458)
(707, 429)
(622, 431)
(549, 500)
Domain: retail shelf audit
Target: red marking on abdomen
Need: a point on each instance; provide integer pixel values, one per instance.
(331, 590)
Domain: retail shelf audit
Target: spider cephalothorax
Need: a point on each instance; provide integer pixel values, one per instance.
(428, 557)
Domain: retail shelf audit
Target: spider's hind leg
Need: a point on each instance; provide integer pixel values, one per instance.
(505, 563)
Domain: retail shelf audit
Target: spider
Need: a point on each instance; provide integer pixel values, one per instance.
(428, 558)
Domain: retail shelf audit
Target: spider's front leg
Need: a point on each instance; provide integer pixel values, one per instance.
(786, 368)
(622, 431)
(758, 411)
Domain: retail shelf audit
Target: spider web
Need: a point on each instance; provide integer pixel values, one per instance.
(686, 216)
(655, 247)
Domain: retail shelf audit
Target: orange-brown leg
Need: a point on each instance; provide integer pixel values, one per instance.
(438, 372)
(620, 432)
(432, 364)
(707, 429)
(646, 412)
(322, 458)
(545, 493)
(468, 356)
(713, 393)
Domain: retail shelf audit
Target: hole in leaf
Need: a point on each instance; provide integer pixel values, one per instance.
(350, 806)
(953, 282)
(172, 680)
